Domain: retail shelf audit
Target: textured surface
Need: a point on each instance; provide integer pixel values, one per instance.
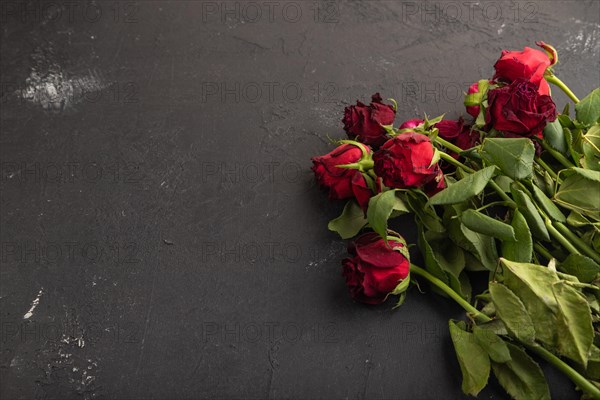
(162, 236)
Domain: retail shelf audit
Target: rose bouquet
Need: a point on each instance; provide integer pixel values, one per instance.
(514, 190)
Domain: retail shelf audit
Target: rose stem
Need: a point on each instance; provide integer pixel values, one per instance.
(448, 145)
(583, 384)
(547, 168)
(560, 227)
(543, 251)
(491, 183)
(575, 377)
(568, 239)
(552, 230)
(555, 81)
(561, 239)
(557, 156)
(478, 315)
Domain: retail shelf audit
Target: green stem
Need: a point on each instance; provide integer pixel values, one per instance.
(448, 145)
(557, 156)
(557, 82)
(575, 377)
(547, 168)
(560, 238)
(455, 162)
(478, 315)
(543, 251)
(576, 240)
(492, 204)
(582, 383)
(503, 195)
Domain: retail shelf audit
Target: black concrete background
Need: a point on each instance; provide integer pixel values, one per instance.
(160, 223)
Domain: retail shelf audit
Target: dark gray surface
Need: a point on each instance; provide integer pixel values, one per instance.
(183, 250)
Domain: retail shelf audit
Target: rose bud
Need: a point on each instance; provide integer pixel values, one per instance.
(364, 123)
(375, 268)
(405, 161)
(339, 180)
(519, 110)
(473, 110)
(529, 64)
(411, 123)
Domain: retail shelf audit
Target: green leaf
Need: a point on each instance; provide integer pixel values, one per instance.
(464, 189)
(591, 148)
(577, 220)
(479, 222)
(555, 136)
(548, 206)
(584, 268)
(580, 191)
(492, 344)
(531, 214)
(588, 109)
(574, 323)
(380, 208)
(572, 138)
(350, 222)
(514, 157)
(481, 247)
(521, 248)
(521, 377)
(473, 360)
(593, 367)
(531, 284)
(445, 260)
(425, 215)
(512, 312)
(431, 262)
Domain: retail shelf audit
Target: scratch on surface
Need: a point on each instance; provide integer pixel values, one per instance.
(274, 363)
(34, 304)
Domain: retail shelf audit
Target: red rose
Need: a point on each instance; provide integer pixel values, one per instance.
(411, 123)
(519, 110)
(529, 64)
(343, 183)
(473, 110)
(363, 123)
(404, 161)
(450, 129)
(374, 269)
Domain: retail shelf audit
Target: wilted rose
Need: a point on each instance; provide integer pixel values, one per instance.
(363, 123)
(519, 110)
